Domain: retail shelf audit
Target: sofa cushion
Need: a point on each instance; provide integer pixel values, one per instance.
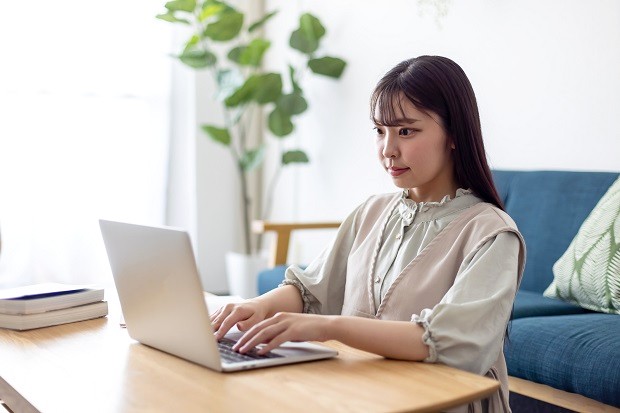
(588, 273)
(531, 304)
(549, 207)
(575, 353)
(270, 279)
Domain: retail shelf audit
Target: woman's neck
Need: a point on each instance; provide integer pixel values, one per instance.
(433, 193)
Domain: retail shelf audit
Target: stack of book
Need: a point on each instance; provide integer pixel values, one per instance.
(50, 304)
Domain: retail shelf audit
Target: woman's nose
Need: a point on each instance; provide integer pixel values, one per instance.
(390, 149)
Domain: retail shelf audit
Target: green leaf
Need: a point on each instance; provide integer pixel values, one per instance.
(245, 93)
(216, 3)
(220, 135)
(300, 42)
(280, 123)
(258, 24)
(250, 55)
(252, 158)
(268, 88)
(295, 156)
(227, 27)
(306, 38)
(292, 104)
(191, 43)
(235, 53)
(170, 17)
(181, 5)
(210, 10)
(291, 72)
(198, 59)
(228, 81)
(327, 66)
(311, 26)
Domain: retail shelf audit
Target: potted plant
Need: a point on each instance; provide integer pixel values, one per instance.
(232, 49)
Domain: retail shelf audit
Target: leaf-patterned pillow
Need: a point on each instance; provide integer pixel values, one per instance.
(588, 273)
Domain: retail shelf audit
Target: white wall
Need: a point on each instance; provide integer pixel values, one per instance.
(545, 74)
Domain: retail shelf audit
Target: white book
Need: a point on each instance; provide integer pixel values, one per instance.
(54, 317)
(39, 298)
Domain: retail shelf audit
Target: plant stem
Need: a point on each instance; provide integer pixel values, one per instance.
(246, 202)
(269, 200)
(237, 154)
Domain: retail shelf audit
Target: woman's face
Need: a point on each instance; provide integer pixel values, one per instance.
(417, 153)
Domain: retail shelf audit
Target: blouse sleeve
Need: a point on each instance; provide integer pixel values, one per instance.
(321, 284)
(466, 329)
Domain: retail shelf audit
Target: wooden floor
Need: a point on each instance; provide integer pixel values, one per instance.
(557, 397)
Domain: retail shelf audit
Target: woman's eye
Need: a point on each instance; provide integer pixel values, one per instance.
(378, 131)
(406, 131)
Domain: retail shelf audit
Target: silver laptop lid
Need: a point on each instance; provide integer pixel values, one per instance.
(153, 268)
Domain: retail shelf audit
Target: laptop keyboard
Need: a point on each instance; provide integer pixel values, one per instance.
(231, 356)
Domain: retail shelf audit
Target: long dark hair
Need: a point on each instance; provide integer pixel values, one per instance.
(437, 84)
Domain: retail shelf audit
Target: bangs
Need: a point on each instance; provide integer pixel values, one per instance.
(386, 104)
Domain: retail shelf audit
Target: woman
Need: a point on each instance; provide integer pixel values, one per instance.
(426, 274)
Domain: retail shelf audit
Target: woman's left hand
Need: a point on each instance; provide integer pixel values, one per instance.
(284, 327)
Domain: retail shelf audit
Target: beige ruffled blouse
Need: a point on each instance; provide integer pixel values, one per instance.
(411, 226)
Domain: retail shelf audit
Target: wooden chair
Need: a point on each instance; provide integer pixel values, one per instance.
(283, 232)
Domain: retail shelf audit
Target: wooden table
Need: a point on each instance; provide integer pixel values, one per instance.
(93, 366)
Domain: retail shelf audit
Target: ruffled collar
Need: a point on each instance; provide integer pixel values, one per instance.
(408, 208)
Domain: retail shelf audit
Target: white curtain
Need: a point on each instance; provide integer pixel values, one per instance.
(84, 127)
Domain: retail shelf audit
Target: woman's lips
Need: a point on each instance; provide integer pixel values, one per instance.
(397, 171)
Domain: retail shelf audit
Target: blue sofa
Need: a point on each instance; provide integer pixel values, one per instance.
(550, 342)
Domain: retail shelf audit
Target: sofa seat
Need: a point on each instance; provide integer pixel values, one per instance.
(534, 304)
(576, 353)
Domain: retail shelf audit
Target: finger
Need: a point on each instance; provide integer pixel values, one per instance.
(217, 319)
(227, 324)
(215, 314)
(272, 340)
(276, 342)
(266, 335)
(249, 323)
(252, 332)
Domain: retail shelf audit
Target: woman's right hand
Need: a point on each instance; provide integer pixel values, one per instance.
(245, 315)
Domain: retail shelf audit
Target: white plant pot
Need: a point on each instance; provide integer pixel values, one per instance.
(242, 273)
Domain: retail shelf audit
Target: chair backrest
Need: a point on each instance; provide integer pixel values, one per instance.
(549, 207)
(283, 230)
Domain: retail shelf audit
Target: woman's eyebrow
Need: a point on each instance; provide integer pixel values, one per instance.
(403, 121)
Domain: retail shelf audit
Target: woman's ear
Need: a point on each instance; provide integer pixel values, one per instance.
(452, 146)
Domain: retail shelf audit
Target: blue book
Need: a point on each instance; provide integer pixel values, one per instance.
(40, 298)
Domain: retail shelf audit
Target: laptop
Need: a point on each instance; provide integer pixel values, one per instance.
(164, 307)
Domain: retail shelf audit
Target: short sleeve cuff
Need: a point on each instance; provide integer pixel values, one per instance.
(427, 337)
(302, 291)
